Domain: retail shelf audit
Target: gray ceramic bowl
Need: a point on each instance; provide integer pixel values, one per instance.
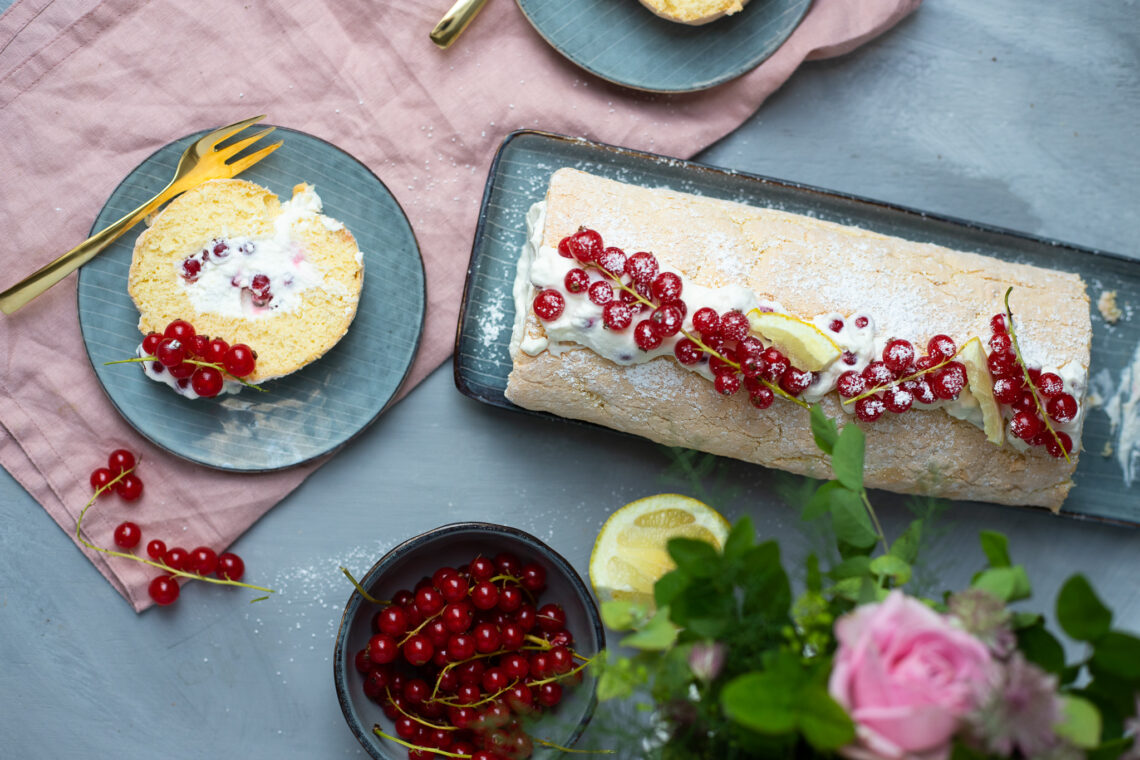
(451, 546)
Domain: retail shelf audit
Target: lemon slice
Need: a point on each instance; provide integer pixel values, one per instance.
(629, 553)
(808, 347)
(981, 386)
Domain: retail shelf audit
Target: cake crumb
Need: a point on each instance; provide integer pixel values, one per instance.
(1106, 305)
(1106, 452)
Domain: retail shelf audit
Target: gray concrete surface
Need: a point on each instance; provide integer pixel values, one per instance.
(1020, 114)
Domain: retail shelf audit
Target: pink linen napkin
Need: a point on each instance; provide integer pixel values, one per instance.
(89, 88)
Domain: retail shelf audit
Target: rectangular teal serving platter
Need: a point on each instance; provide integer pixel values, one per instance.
(521, 172)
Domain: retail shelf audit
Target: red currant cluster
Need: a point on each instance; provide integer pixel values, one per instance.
(1044, 390)
(627, 287)
(901, 377)
(457, 662)
(119, 463)
(196, 360)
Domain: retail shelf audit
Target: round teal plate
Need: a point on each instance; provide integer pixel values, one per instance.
(306, 414)
(622, 42)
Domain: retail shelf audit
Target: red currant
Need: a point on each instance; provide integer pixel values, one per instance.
(861, 322)
(1025, 425)
(1003, 364)
(870, 408)
(666, 287)
(150, 343)
(128, 535)
(775, 365)
(533, 577)
(707, 322)
(1059, 446)
(1001, 343)
(601, 293)
(642, 267)
(835, 325)
(576, 280)
(1048, 385)
(382, 649)
(240, 360)
(198, 344)
(1062, 408)
(429, 601)
(163, 590)
(230, 567)
(617, 316)
(207, 382)
(942, 347)
(795, 381)
(612, 260)
(645, 336)
(666, 320)
(177, 558)
(949, 381)
(998, 324)
(101, 478)
(897, 355)
(551, 618)
(734, 325)
(485, 595)
(897, 400)
(850, 384)
(129, 487)
(179, 330)
(564, 248)
(170, 352)
(687, 352)
(878, 374)
(418, 650)
(203, 560)
(726, 383)
(1007, 390)
(585, 245)
(549, 694)
(215, 352)
(156, 549)
(120, 460)
(482, 569)
(548, 304)
(761, 396)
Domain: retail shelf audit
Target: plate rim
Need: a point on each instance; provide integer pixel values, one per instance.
(332, 450)
(913, 213)
(751, 65)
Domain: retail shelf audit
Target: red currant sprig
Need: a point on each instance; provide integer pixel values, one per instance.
(660, 292)
(164, 588)
(191, 357)
(901, 379)
(119, 472)
(1046, 398)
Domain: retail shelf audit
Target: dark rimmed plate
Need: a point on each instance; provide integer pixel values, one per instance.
(623, 42)
(301, 416)
(521, 172)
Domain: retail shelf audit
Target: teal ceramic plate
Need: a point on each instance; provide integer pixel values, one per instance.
(521, 173)
(622, 42)
(301, 416)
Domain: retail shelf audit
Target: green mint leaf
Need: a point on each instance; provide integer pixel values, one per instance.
(1041, 647)
(848, 588)
(620, 615)
(849, 518)
(658, 635)
(824, 429)
(767, 590)
(740, 539)
(1118, 653)
(1111, 750)
(996, 548)
(764, 702)
(703, 611)
(1022, 619)
(820, 502)
(1080, 612)
(1080, 721)
(814, 580)
(669, 586)
(847, 458)
(852, 567)
(697, 558)
(890, 566)
(1006, 583)
(905, 547)
(824, 724)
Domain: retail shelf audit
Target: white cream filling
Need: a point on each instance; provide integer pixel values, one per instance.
(580, 325)
(224, 284)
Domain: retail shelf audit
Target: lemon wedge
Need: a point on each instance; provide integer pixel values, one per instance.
(629, 553)
(981, 386)
(808, 347)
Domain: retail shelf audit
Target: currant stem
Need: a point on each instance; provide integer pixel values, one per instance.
(918, 374)
(1028, 379)
(735, 365)
(360, 589)
(874, 519)
(416, 718)
(560, 748)
(160, 565)
(195, 362)
(380, 732)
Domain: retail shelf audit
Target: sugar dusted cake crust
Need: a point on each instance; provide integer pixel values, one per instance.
(913, 290)
(694, 12)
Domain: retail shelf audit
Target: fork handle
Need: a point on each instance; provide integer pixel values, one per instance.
(36, 283)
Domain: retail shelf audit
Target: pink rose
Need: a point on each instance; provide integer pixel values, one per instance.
(906, 675)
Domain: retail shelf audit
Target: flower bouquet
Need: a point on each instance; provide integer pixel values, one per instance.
(736, 665)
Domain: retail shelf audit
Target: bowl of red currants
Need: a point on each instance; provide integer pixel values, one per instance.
(470, 641)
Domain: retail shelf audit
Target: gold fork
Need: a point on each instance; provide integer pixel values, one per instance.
(200, 162)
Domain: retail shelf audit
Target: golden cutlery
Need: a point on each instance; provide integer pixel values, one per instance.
(455, 21)
(202, 161)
